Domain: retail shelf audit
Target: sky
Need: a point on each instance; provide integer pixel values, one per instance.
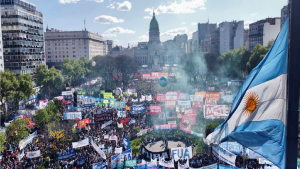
(127, 21)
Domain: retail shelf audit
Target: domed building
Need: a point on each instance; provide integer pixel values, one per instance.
(154, 44)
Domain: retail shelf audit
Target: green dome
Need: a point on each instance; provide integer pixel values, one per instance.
(154, 23)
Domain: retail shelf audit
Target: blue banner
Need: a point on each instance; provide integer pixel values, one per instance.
(66, 155)
(72, 115)
(140, 108)
(23, 143)
(81, 160)
(126, 143)
(100, 165)
(132, 121)
(140, 166)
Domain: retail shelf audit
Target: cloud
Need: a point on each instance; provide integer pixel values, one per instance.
(174, 32)
(144, 38)
(68, 1)
(180, 7)
(111, 6)
(112, 32)
(253, 14)
(147, 17)
(194, 23)
(105, 19)
(183, 23)
(247, 23)
(125, 6)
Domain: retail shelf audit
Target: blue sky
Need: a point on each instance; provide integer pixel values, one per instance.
(128, 21)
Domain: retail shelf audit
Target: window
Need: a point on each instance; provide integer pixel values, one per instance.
(74, 51)
(49, 52)
(56, 56)
(74, 56)
(49, 56)
(74, 48)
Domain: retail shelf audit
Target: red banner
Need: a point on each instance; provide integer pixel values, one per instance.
(213, 95)
(160, 97)
(189, 119)
(83, 123)
(124, 121)
(211, 102)
(146, 76)
(155, 109)
(170, 104)
(190, 111)
(164, 74)
(186, 129)
(203, 93)
(198, 104)
(216, 111)
(155, 75)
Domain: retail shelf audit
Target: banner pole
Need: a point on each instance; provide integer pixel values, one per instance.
(293, 85)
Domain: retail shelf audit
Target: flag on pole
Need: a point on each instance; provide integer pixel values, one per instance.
(257, 118)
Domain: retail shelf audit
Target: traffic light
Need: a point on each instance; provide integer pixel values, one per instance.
(75, 99)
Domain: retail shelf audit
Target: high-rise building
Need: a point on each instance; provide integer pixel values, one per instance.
(203, 30)
(263, 31)
(73, 45)
(23, 38)
(110, 45)
(231, 35)
(284, 15)
(1, 50)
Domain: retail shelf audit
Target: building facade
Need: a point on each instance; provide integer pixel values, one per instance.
(284, 15)
(1, 50)
(23, 38)
(73, 45)
(263, 31)
(110, 45)
(203, 29)
(231, 35)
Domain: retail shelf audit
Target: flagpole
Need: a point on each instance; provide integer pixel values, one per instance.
(293, 85)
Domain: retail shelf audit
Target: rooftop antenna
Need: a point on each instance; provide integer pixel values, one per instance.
(84, 26)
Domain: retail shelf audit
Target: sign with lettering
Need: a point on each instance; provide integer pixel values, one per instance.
(83, 123)
(103, 117)
(213, 95)
(216, 111)
(155, 109)
(171, 96)
(211, 102)
(72, 115)
(155, 75)
(160, 97)
(33, 154)
(196, 97)
(138, 108)
(182, 153)
(170, 104)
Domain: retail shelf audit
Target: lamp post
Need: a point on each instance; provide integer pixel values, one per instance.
(244, 156)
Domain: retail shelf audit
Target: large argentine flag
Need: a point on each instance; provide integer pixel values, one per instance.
(257, 117)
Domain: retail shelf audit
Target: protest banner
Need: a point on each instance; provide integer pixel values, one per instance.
(98, 150)
(170, 104)
(120, 125)
(196, 97)
(202, 93)
(183, 96)
(132, 121)
(190, 111)
(138, 108)
(149, 155)
(160, 97)
(81, 143)
(172, 122)
(23, 143)
(165, 127)
(114, 161)
(198, 104)
(82, 123)
(100, 165)
(213, 95)
(106, 136)
(181, 153)
(118, 150)
(67, 93)
(88, 102)
(121, 114)
(130, 163)
(224, 155)
(33, 154)
(72, 115)
(155, 109)
(106, 124)
(124, 121)
(103, 117)
(166, 74)
(66, 155)
(216, 111)
(127, 107)
(186, 104)
(119, 105)
(146, 76)
(143, 132)
(211, 102)
(155, 75)
(126, 143)
(185, 128)
(189, 119)
(172, 96)
(108, 95)
(113, 137)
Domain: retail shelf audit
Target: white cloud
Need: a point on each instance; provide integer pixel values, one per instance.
(112, 6)
(174, 32)
(194, 23)
(253, 14)
(105, 19)
(125, 6)
(96, 0)
(68, 1)
(247, 23)
(112, 32)
(147, 17)
(183, 23)
(144, 38)
(182, 6)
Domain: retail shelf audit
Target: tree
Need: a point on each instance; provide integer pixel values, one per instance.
(106, 68)
(210, 128)
(16, 131)
(41, 117)
(234, 62)
(2, 141)
(126, 67)
(50, 80)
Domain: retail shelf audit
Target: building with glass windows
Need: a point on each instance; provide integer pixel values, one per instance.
(1, 50)
(22, 33)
